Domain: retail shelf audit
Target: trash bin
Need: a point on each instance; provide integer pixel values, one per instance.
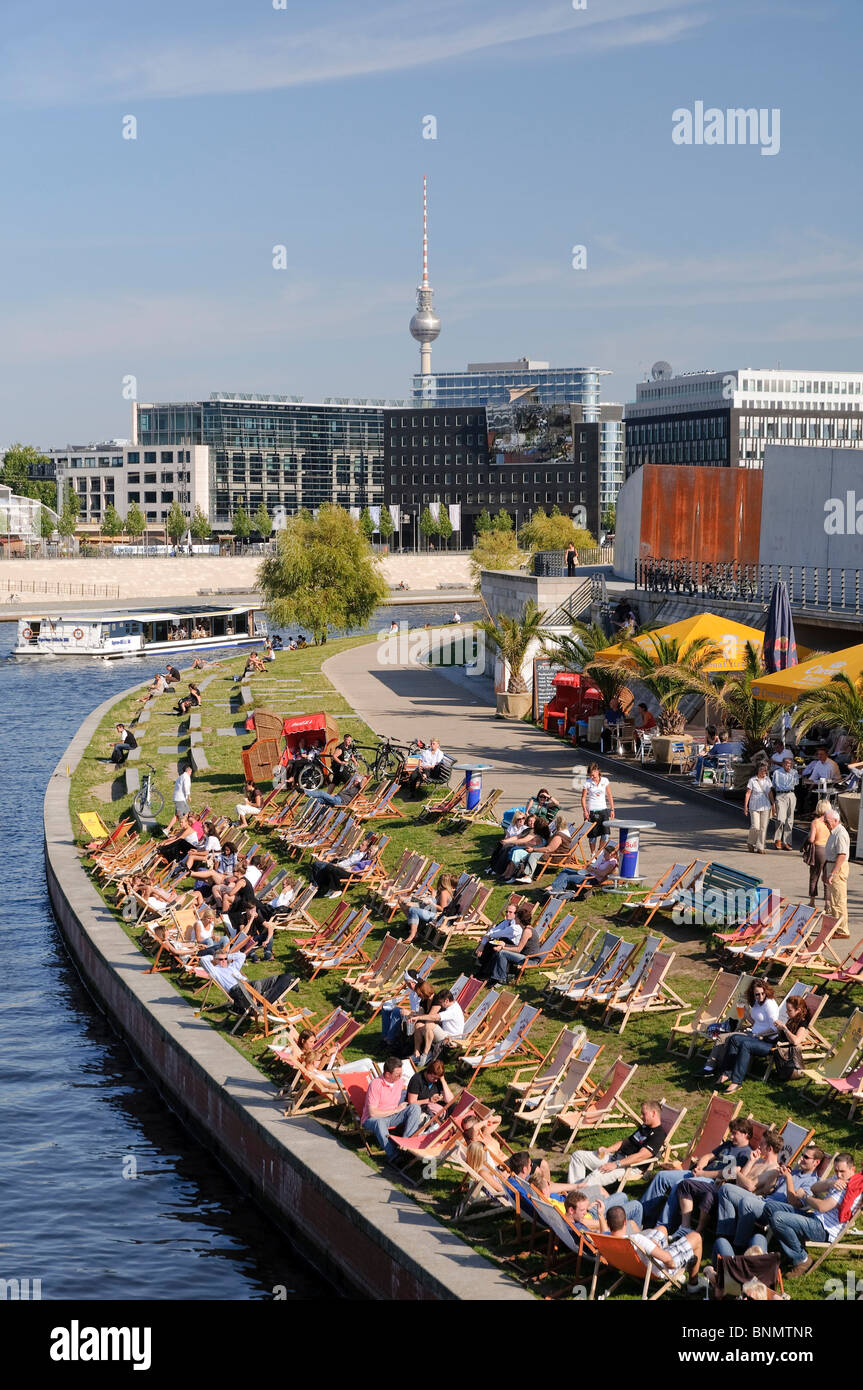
(594, 728)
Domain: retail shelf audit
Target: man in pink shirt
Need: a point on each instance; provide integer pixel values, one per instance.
(384, 1109)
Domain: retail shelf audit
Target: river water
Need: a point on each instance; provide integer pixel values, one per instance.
(103, 1194)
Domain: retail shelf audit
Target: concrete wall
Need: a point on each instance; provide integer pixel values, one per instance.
(356, 1227)
(806, 491)
(156, 577)
(627, 526)
(507, 592)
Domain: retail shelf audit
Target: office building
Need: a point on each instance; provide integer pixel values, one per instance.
(493, 384)
(125, 475)
(726, 419)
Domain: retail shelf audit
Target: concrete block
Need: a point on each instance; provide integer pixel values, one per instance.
(246, 696)
(133, 781)
(195, 719)
(198, 759)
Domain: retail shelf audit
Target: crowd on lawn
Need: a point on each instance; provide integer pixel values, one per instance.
(743, 1191)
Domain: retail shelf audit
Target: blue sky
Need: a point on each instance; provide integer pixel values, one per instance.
(302, 126)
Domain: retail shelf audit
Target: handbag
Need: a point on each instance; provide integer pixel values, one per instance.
(789, 1058)
(808, 852)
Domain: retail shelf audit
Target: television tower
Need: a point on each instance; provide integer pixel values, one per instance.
(425, 324)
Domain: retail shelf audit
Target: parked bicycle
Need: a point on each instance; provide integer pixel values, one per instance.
(148, 799)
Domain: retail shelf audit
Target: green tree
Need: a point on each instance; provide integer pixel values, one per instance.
(242, 525)
(366, 525)
(112, 522)
(386, 528)
(262, 522)
(136, 522)
(17, 461)
(495, 550)
(741, 710)
(199, 525)
(47, 524)
(502, 522)
(667, 672)
(512, 638)
(428, 525)
(323, 575)
(839, 705)
(609, 519)
(482, 523)
(444, 526)
(581, 649)
(68, 521)
(176, 523)
(554, 532)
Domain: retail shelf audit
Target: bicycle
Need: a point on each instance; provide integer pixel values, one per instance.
(390, 759)
(148, 799)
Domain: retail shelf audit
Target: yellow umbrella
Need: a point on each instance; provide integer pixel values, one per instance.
(729, 637)
(788, 686)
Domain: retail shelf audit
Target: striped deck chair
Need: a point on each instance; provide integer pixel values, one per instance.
(604, 1107)
(516, 1043)
(485, 1027)
(843, 1055)
(810, 952)
(549, 951)
(581, 994)
(386, 980)
(444, 806)
(798, 928)
(584, 971)
(347, 953)
(485, 813)
(655, 897)
(717, 1002)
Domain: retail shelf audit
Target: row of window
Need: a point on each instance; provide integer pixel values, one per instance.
(804, 386)
(482, 499)
(799, 427)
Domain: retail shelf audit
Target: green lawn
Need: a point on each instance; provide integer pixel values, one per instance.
(660, 1073)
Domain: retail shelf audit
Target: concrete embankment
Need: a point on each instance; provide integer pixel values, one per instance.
(346, 1217)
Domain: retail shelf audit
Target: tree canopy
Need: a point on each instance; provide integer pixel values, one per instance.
(176, 523)
(242, 524)
(495, 550)
(199, 525)
(112, 522)
(136, 522)
(554, 532)
(262, 522)
(17, 460)
(323, 575)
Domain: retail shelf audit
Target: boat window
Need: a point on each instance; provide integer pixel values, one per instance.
(218, 627)
(160, 632)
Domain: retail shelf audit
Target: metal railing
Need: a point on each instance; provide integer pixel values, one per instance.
(828, 589)
(592, 589)
(48, 586)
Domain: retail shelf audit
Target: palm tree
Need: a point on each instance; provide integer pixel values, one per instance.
(667, 673)
(512, 637)
(740, 709)
(575, 653)
(839, 705)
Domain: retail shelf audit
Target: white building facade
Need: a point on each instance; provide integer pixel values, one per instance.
(125, 475)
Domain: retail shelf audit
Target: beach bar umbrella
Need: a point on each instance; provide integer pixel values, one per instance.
(780, 646)
(789, 685)
(729, 637)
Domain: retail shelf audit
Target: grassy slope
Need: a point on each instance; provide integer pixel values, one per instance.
(660, 1073)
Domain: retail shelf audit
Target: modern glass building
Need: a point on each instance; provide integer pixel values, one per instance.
(278, 450)
(500, 383)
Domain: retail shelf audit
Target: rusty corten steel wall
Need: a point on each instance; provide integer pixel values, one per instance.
(710, 514)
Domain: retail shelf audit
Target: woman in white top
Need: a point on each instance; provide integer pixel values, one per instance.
(597, 802)
(758, 806)
(763, 1010)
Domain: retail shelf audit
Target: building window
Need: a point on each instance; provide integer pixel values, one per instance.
(134, 478)
(133, 497)
(149, 477)
(150, 456)
(133, 457)
(150, 497)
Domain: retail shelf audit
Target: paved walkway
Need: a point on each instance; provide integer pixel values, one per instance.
(412, 701)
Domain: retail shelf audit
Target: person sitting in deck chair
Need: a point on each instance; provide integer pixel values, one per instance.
(124, 744)
(517, 836)
(444, 1020)
(667, 1254)
(825, 1209)
(660, 1199)
(331, 878)
(251, 804)
(543, 804)
(227, 970)
(385, 1108)
(604, 1166)
(602, 866)
(428, 761)
(497, 956)
(742, 1204)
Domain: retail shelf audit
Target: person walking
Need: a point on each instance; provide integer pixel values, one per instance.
(784, 780)
(819, 833)
(758, 805)
(597, 801)
(836, 854)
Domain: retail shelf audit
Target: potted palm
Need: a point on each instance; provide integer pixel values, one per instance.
(668, 674)
(512, 638)
(741, 710)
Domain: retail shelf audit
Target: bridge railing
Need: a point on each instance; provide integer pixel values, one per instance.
(828, 589)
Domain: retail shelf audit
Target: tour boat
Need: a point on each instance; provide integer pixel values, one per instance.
(191, 627)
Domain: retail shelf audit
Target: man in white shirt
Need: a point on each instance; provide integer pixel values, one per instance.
(226, 969)
(821, 769)
(784, 779)
(182, 794)
(836, 855)
(780, 753)
(444, 1021)
(506, 930)
(428, 760)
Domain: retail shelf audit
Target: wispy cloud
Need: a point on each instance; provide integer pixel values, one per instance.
(272, 53)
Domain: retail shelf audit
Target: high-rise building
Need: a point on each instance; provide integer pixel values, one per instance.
(726, 419)
(500, 384)
(597, 451)
(425, 324)
(123, 475)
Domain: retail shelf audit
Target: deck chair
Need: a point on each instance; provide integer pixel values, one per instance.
(296, 916)
(516, 1043)
(711, 1128)
(444, 806)
(346, 954)
(848, 1088)
(549, 951)
(719, 999)
(264, 1005)
(619, 1253)
(483, 814)
(533, 1080)
(604, 1108)
(652, 994)
(848, 971)
(842, 1057)
(380, 806)
(733, 1271)
(811, 952)
(603, 985)
(572, 857)
(541, 1107)
(574, 985)
(844, 1242)
(655, 899)
(762, 956)
(763, 917)
(490, 1028)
